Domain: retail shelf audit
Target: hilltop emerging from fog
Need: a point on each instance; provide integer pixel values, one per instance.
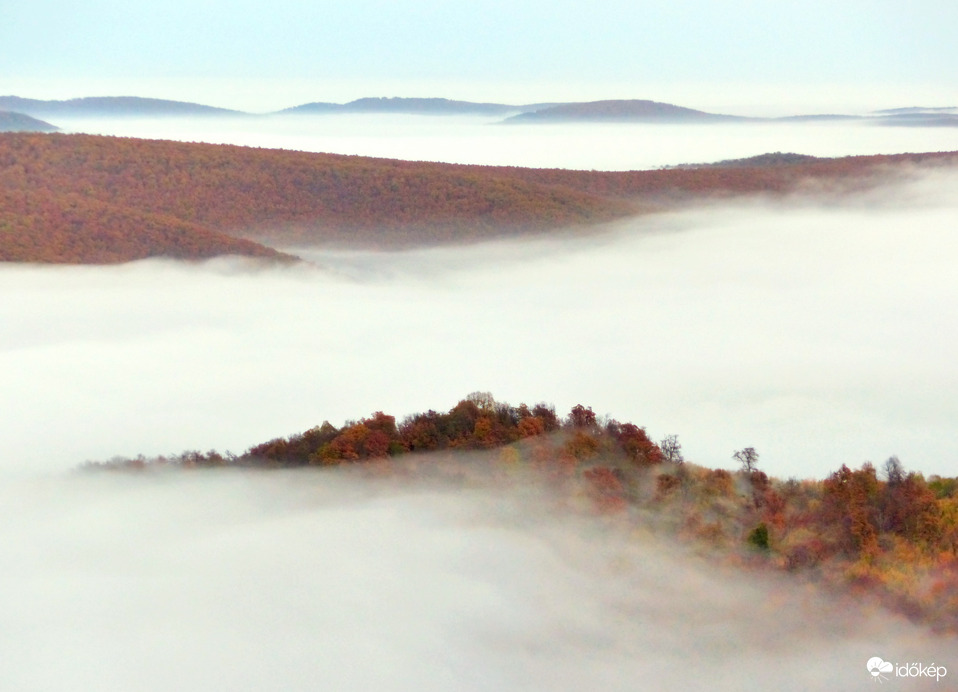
(93, 199)
(895, 539)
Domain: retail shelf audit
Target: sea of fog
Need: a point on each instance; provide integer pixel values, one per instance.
(486, 141)
(818, 332)
(309, 580)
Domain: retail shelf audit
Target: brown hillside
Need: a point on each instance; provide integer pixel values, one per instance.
(284, 196)
(90, 199)
(891, 540)
(736, 178)
(73, 228)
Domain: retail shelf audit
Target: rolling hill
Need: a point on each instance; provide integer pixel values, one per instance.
(18, 122)
(617, 110)
(892, 541)
(93, 199)
(415, 106)
(635, 110)
(66, 195)
(126, 106)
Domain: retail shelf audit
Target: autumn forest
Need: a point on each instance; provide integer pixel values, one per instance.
(884, 534)
(85, 199)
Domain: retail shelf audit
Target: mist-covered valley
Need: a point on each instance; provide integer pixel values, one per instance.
(482, 140)
(816, 329)
(162, 295)
(818, 334)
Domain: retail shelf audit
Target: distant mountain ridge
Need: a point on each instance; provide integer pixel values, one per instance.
(918, 109)
(613, 110)
(920, 118)
(109, 106)
(415, 106)
(632, 110)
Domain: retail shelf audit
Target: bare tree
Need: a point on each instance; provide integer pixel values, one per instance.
(672, 449)
(748, 458)
(894, 471)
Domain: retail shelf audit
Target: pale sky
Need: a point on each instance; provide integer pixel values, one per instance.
(253, 54)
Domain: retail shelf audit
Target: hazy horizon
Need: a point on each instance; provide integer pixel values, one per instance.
(266, 96)
(723, 55)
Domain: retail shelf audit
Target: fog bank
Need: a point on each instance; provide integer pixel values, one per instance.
(820, 335)
(324, 580)
(483, 141)
(819, 332)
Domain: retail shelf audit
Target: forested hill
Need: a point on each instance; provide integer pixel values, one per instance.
(893, 537)
(773, 174)
(64, 194)
(93, 199)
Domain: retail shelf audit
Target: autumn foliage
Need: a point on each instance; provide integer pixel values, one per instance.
(84, 198)
(92, 199)
(894, 539)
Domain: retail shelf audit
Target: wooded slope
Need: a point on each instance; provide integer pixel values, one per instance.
(130, 190)
(92, 199)
(70, 227)
(891, 539)
(769, 174)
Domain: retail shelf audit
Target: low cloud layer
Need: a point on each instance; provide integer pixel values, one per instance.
(483, 141)
(324, 580)
(820, 335)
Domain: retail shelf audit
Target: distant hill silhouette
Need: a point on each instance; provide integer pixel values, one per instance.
(917, 109)
(620, 110)
(818, 117)
(311, 108)
(18, 122)
(108, 106)
(416, 106)
(920, 119)
(777, 158)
